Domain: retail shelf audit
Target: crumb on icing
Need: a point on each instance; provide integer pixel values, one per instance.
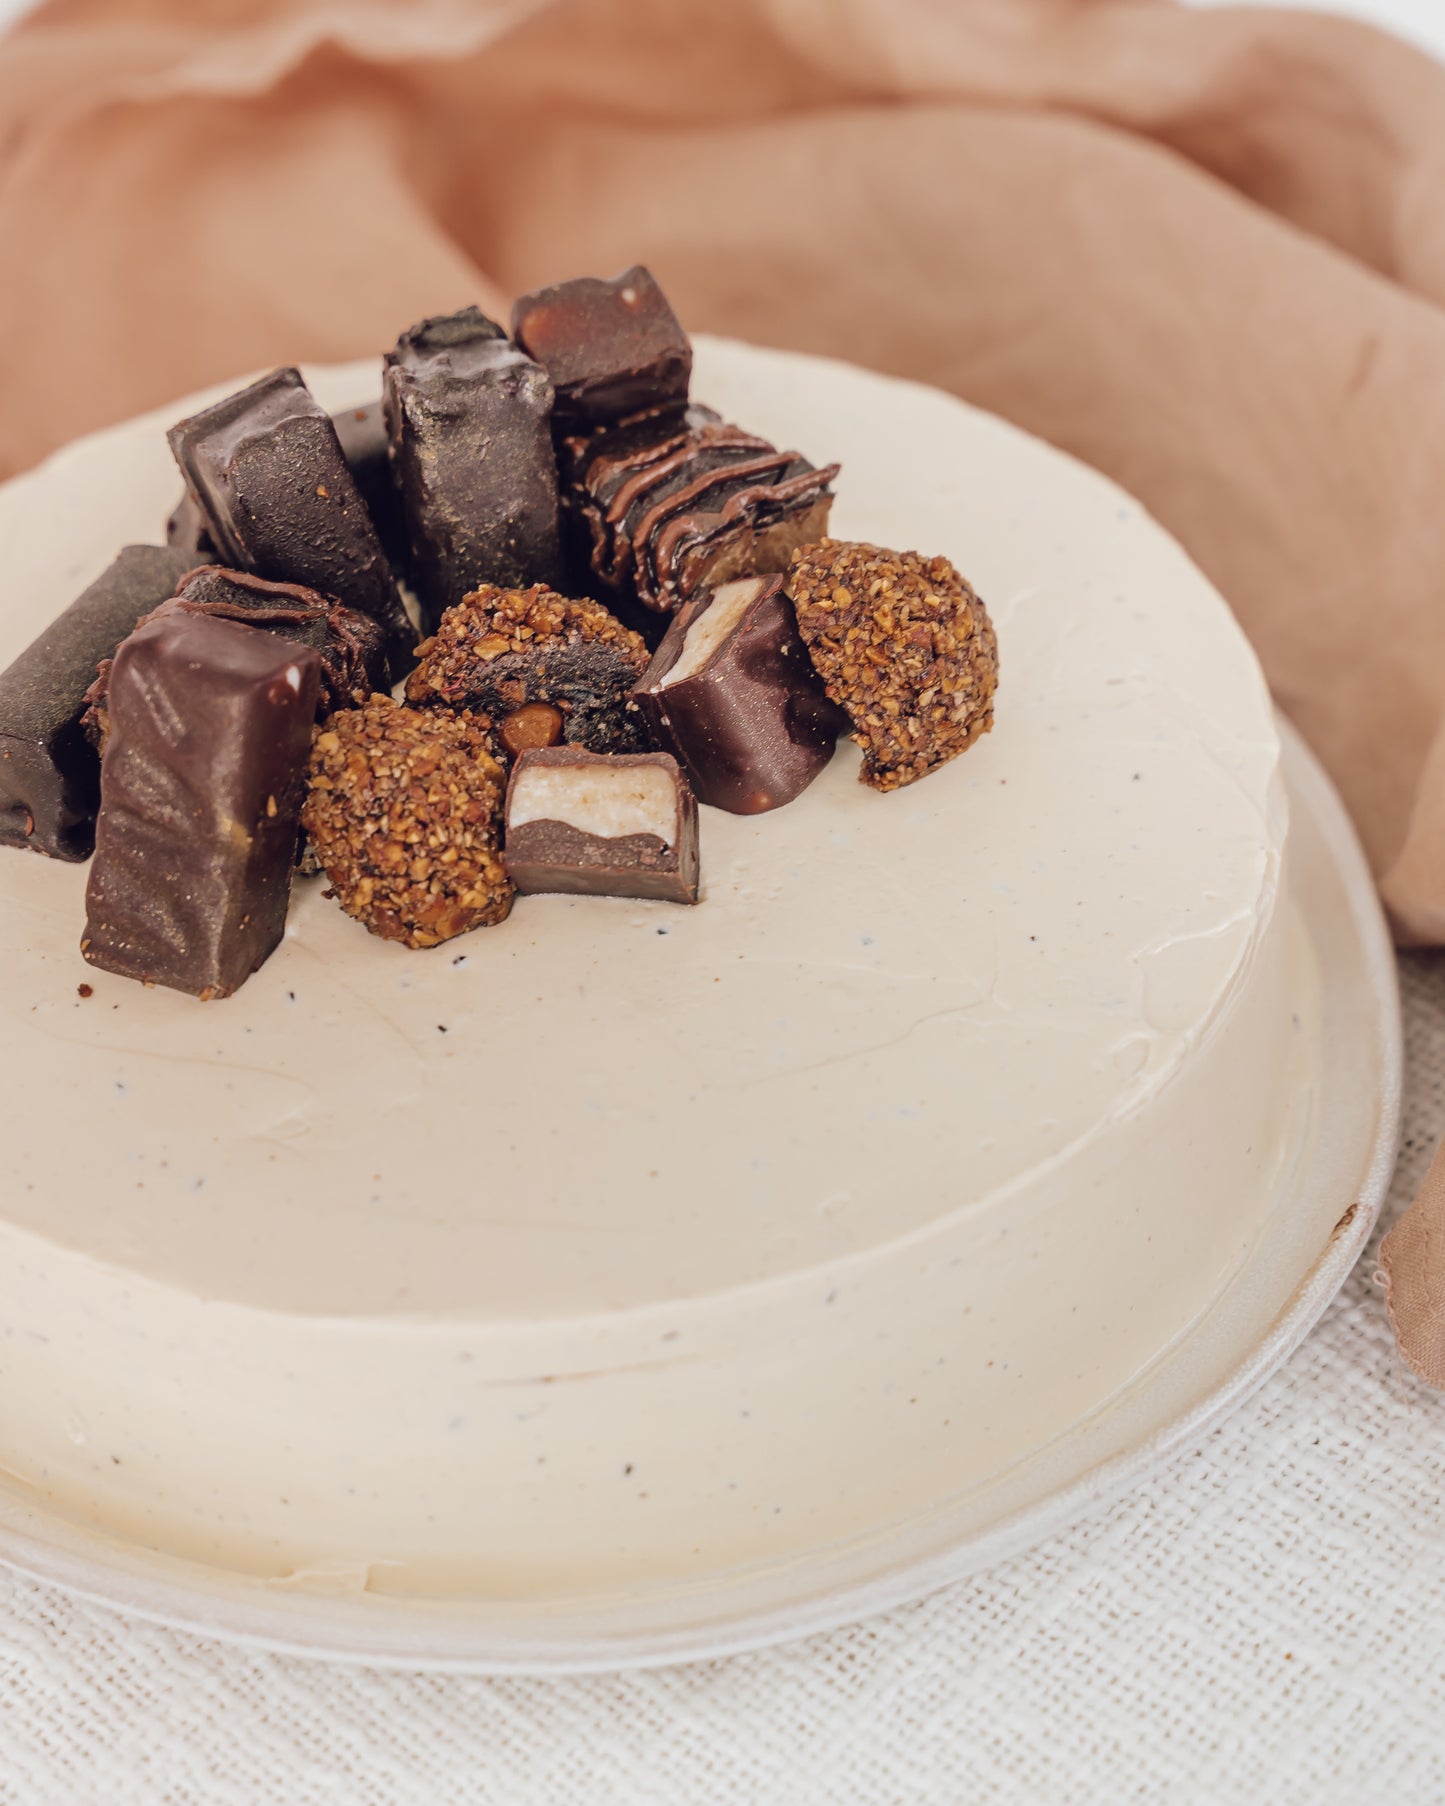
(403, 810)
(904, 646)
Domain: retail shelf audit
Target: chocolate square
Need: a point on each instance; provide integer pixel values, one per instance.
(611, 348)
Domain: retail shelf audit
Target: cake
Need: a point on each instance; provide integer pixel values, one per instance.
(624, 1244)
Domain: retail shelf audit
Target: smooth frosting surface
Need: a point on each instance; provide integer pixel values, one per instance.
(1001, 1068)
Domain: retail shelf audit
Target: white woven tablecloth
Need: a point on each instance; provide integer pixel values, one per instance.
(1263, 1625)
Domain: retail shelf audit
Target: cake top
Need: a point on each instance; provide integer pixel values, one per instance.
(949, 984)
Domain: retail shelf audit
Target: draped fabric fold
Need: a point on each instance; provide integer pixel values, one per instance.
(1204, 251)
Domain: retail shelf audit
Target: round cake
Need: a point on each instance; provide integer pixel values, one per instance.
(622, 1243)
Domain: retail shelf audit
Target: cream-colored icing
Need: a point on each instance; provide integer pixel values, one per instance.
(622, 1241)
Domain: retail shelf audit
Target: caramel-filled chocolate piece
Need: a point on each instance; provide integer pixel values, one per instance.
(904, 646)
(602, 825)
(611, 348)
(470, 423)
(352, 647)
(502, 649)
(732, 694)
(204, 773)
(49, 771)
(278, 499)
(661, 508)
(361, 432)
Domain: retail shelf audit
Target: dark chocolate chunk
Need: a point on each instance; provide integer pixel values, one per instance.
(352, 647)
(611, 348)
(469, 418)
(362, 435)
(662, 508)
(49, 771)
(186, 530)
(204, 774)
(732, 694)
(503, 649)
(599, 825)
(278, 498)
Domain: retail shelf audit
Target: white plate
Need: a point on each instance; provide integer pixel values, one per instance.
(1311, 1244)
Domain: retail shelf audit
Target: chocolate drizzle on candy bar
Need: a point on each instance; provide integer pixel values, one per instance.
(663, 507)
(505, 651)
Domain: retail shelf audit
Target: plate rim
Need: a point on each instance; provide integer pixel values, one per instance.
(417, 1635)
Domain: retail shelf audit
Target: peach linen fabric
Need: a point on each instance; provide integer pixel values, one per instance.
(1203, 251)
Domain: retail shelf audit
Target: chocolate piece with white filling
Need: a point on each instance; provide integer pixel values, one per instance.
(49, 771)
(470, 423)
(503, 650)
(278, 498)
(595, 825)
(661, 508)
(611, 348)
(362, 434)
(210, 728)
(732, 694)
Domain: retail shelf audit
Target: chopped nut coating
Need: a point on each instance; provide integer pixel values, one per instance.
(904, 646)
(404, 813)
(502, 649)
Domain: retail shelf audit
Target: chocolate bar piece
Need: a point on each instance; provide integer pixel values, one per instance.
(502, 651)
(186, 529)
(49, 771)
(361, 432)
(662, 508)
(352, 647)
(600, 825)
(210, 727)
(278, 498)
(611, 348)
(732, 694)
(469, 417)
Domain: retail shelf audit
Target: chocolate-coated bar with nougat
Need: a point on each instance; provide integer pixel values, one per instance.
(732, 694)
(601, 825)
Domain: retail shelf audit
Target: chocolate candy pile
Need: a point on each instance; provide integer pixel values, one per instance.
(631, 607)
